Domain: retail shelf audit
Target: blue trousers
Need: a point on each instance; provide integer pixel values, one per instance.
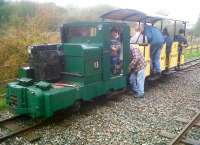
(137, 82)
(155, 51)
(115, 62)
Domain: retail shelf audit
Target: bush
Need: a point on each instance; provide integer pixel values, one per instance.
(13, 47)
(30, 23)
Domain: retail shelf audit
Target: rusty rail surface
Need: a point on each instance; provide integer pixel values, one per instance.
(185, 130)
(16, 125)
(21, 123)
(182, 135)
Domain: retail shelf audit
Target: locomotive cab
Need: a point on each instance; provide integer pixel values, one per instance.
(99, 36)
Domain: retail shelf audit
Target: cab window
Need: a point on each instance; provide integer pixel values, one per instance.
(82, 32)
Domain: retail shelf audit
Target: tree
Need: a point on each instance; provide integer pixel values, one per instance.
(196, 29)
(4, 12)
(27, 23)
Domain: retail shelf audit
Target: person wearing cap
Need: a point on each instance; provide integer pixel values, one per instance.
(180, 38)
(116, 47)
(168, 41)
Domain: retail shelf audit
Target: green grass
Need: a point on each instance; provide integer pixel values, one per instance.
(2, 103)
(2, 99)
(2, 90)
(192, 54)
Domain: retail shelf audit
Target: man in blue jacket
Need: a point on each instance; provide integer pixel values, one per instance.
(156, 40)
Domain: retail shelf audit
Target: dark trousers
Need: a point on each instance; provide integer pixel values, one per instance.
(180, 50)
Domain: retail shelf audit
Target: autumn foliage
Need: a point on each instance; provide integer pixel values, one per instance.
(27, 23)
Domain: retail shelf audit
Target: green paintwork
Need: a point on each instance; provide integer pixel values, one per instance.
(43, 85)
(25, 81)
(81, 59)
(25, 72)
(87, 69)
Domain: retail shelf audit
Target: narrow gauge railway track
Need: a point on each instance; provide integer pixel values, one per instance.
(187, 66)
(15, 125)
(193, 60)
(182, 135)
(18, 124)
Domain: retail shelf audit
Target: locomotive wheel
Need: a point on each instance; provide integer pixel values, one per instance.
(77, 105)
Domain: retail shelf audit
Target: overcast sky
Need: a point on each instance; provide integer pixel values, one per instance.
(180, 9)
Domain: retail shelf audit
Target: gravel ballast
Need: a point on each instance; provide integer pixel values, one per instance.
(125, 119)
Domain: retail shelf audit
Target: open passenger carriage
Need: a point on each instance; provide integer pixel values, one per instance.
(131, 16)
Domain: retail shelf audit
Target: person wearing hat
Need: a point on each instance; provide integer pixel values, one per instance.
(180, 38)
(116, 47)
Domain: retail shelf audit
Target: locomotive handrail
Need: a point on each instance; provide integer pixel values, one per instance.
(72, 74)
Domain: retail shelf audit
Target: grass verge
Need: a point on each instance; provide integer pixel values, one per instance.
(2, 103)
(2, 98)
(192, 54)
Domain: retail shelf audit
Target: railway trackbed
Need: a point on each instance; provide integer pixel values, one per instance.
(186, 67)
(190, 64)
(15, 125)
(181, 137)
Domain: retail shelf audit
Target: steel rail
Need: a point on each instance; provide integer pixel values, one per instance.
(20, 128)
(35, 123)
(190, 66)
(9, 119)
(193, 60)
(187, 67)
(184, 131)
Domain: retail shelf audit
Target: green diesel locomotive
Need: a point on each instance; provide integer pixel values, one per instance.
(77, 69)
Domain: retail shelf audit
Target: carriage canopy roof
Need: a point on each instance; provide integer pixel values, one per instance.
(131, 15)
